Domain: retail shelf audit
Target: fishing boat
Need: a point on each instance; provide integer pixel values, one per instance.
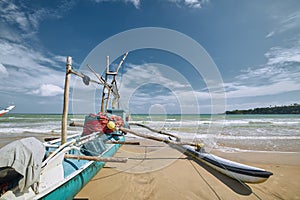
(6, 110)
(59, 168)
(235, 170)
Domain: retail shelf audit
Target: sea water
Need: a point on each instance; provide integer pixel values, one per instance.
(16, 126)
(279, 133)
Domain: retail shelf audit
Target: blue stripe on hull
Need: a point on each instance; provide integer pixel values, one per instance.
(69, 189)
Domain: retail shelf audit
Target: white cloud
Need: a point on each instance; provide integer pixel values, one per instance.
(278, 55)
(22, 56)
(136, 3)
(3, 71)
(47, 90)
(239, 91)
(26, 68)
(153, 73)
(16, 16)
(148, 84)
(190, 3)
(180, 3)
(24, 18)
(270, 34)
(193, 3)
(280, 74)
(284, 23)
(290, 22)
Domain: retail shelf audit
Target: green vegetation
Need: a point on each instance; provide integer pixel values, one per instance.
(291, 109)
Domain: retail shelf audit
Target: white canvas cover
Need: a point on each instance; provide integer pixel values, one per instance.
(25, 157)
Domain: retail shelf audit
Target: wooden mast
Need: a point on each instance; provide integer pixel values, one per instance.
(112, 88)
(104, 87)
(66, 101)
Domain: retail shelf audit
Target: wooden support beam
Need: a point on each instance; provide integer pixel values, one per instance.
(97, 75)
(81, 76)
(151, 137)
(124, 57)
(153, 130)
(77, 124)
(126, 142)
(47, 139)
(95, 158)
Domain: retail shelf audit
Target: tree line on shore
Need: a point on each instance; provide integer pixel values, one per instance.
(290, 109)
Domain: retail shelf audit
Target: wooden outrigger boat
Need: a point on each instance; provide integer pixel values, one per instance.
(59, 168)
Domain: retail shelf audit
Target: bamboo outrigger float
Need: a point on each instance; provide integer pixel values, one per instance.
(59, 168)
(235, 170)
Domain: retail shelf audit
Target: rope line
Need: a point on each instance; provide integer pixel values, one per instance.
(125, 170)
(241, 182)
(212, 189)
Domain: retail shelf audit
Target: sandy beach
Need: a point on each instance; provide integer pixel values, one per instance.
(155, 171)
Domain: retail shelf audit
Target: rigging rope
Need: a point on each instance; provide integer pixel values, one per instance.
(212, 189)
(164, 133)
(241, 182)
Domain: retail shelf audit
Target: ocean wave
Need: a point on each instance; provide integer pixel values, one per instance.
(234, 137)
(174, 122)
(28, 130)
(236, 149)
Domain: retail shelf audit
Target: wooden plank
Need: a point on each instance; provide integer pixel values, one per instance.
(77, 124)
(117, 142)
(95, 158)
(153, 130)
(151, 137)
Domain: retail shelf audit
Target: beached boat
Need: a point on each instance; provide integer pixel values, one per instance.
(235, 170)
(64, 171)
(59, 168)
(6, 110)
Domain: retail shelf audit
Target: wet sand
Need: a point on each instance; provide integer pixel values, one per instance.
(155, 171)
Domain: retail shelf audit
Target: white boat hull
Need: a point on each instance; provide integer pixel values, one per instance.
(238, 171)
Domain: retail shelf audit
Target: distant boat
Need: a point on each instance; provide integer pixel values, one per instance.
(6, 110)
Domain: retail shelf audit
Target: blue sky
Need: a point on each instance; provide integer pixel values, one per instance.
(254, 44)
